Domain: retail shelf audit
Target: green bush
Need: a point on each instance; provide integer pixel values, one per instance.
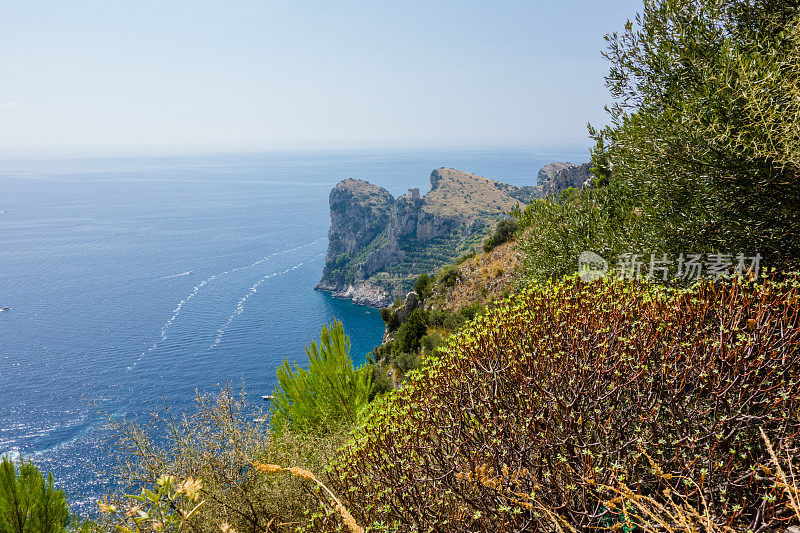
(446, 319)
(471, 311)
(331, 393)
(381, 384)
(423, 286)
(572, 387)
(704, 127)
(405, 362)
(503, 232)
(411, 331)
(453, 321)
(389, 318)
(702, 153)
(449, 276)
(431, 341)
(28, 502)
(437, 317)
(602, 220)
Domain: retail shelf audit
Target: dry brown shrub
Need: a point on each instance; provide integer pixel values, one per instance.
(218, 443)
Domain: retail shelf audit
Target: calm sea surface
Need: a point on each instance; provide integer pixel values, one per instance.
(135, 282)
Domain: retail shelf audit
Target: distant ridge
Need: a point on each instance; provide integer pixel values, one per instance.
(378, 245)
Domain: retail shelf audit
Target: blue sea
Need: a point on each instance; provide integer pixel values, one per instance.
(136, 282)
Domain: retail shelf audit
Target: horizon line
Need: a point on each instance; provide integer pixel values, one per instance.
(125, 150)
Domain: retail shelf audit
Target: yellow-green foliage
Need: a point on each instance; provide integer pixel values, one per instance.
(571, 387)
(170, 507)
(330, 394)
(603, 220)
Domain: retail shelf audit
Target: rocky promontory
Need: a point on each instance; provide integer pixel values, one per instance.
(378, 245)
(556, 177)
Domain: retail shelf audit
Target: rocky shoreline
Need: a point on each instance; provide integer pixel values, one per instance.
(363, 294)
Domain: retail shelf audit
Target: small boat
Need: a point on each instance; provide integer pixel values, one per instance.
(267, 397)
(6, 309)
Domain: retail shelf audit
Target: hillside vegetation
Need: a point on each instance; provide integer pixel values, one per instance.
(533, 399)
(456, 193)
(571, 387)
(703, 150)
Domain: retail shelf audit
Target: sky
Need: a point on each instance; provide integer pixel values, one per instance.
(260, 74)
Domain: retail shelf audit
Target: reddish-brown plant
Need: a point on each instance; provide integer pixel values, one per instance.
(573, 387)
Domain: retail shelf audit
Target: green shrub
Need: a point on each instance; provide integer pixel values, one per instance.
(704, 126)
(602, 220)
(449, 276)
(471, 311)
(503, 232)
(444, 318)
(411, 331)
(431, 341)
(703, 137)
(381, 384)
(390, 318)
(571, 387)
(381, 353)
(452, 321)
(423, 286)
(28, 502)
(437, 317)
(331, 393)
(405, 362)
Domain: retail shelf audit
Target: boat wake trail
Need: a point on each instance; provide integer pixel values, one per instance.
(240, 306)
(177, 311)
(177, 275)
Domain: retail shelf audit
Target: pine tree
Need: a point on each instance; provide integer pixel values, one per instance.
(28, 503)
(330, 393)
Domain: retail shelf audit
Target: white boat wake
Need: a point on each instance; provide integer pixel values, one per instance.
(240, 306)
(177, 275)
(177, 311)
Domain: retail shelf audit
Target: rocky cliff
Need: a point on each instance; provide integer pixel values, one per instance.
(378, 245)
(556, 177)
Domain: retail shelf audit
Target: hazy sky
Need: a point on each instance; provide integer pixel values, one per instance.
(256, 74)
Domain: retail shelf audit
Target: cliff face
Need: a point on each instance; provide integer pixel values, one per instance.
(359, 212)
(548, 171)
(379, 245)
(557, 177)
